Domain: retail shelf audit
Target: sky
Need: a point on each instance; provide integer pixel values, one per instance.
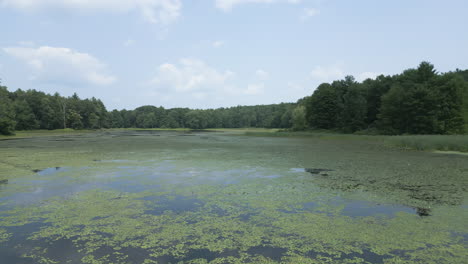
(220, 53)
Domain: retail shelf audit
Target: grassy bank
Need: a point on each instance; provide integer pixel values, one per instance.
(442, 143)
(44, 133)
(69, 131)
(430, 142)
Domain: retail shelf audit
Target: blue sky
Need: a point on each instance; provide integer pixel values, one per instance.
(214, 53)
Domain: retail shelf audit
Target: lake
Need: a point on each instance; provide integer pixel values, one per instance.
(224, 197)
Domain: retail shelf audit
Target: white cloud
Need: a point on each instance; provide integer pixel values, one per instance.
(228, 5)
(255, 89)
(195, 79)
(62, 64)
(154, 11)
(217, 43)
(308, 13)
(328, 73)
(191, 75)
(262, 75)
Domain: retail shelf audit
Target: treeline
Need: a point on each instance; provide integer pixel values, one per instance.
(417, 101)
(31, 109)
(28, 110)
(270, 116)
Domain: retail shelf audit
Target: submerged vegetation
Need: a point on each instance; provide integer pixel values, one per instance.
(149, 196)
(417, 101)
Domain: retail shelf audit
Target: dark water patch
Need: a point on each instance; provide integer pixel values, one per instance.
(366, 255)
(14, 256)
(23, 231)
(3, 182)
(463, 236)
(12, 251)
(194, 254)
(317, 171)
(63, 251)
(363, 208)
(177, 204)
(49, 171)
(274, 253)
(247, 216)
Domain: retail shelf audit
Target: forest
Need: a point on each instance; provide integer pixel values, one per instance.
(417, 101)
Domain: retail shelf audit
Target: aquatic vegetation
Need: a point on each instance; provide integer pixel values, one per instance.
(430, 142)
(230, 199)
(4, 235)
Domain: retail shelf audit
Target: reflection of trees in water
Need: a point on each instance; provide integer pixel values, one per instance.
(3, 181)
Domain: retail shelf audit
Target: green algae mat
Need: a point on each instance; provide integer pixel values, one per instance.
(195, 197)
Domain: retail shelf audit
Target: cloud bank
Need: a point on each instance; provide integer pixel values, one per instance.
(154, 11)
(57, 64)
(227, 5)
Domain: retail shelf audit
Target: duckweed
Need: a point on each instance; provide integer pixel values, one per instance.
(221, 198)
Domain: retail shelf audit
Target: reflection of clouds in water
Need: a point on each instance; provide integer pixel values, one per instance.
(38, 190)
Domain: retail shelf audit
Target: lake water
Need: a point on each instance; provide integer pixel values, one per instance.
(213, 197)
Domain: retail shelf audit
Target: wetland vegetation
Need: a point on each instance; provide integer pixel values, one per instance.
(152, 196)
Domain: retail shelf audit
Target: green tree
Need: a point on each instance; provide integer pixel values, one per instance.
(354, 112)
(74, 119)
(322, 107)
(299, 121)
(7, 113)
(24, 116)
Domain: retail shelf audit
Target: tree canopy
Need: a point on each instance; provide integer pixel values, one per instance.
(417, 101)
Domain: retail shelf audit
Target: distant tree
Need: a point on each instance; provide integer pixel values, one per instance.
(450, 96)
(375, 89)
(354, 110)
(299, 121)
(24, 116)
(116, 119)
(195, 119)
(7, 113)
(322, 107)
(93, 121)
(74, 119)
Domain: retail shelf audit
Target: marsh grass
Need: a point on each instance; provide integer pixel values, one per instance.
(429, 142)
(458, 143)
(45, 133)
